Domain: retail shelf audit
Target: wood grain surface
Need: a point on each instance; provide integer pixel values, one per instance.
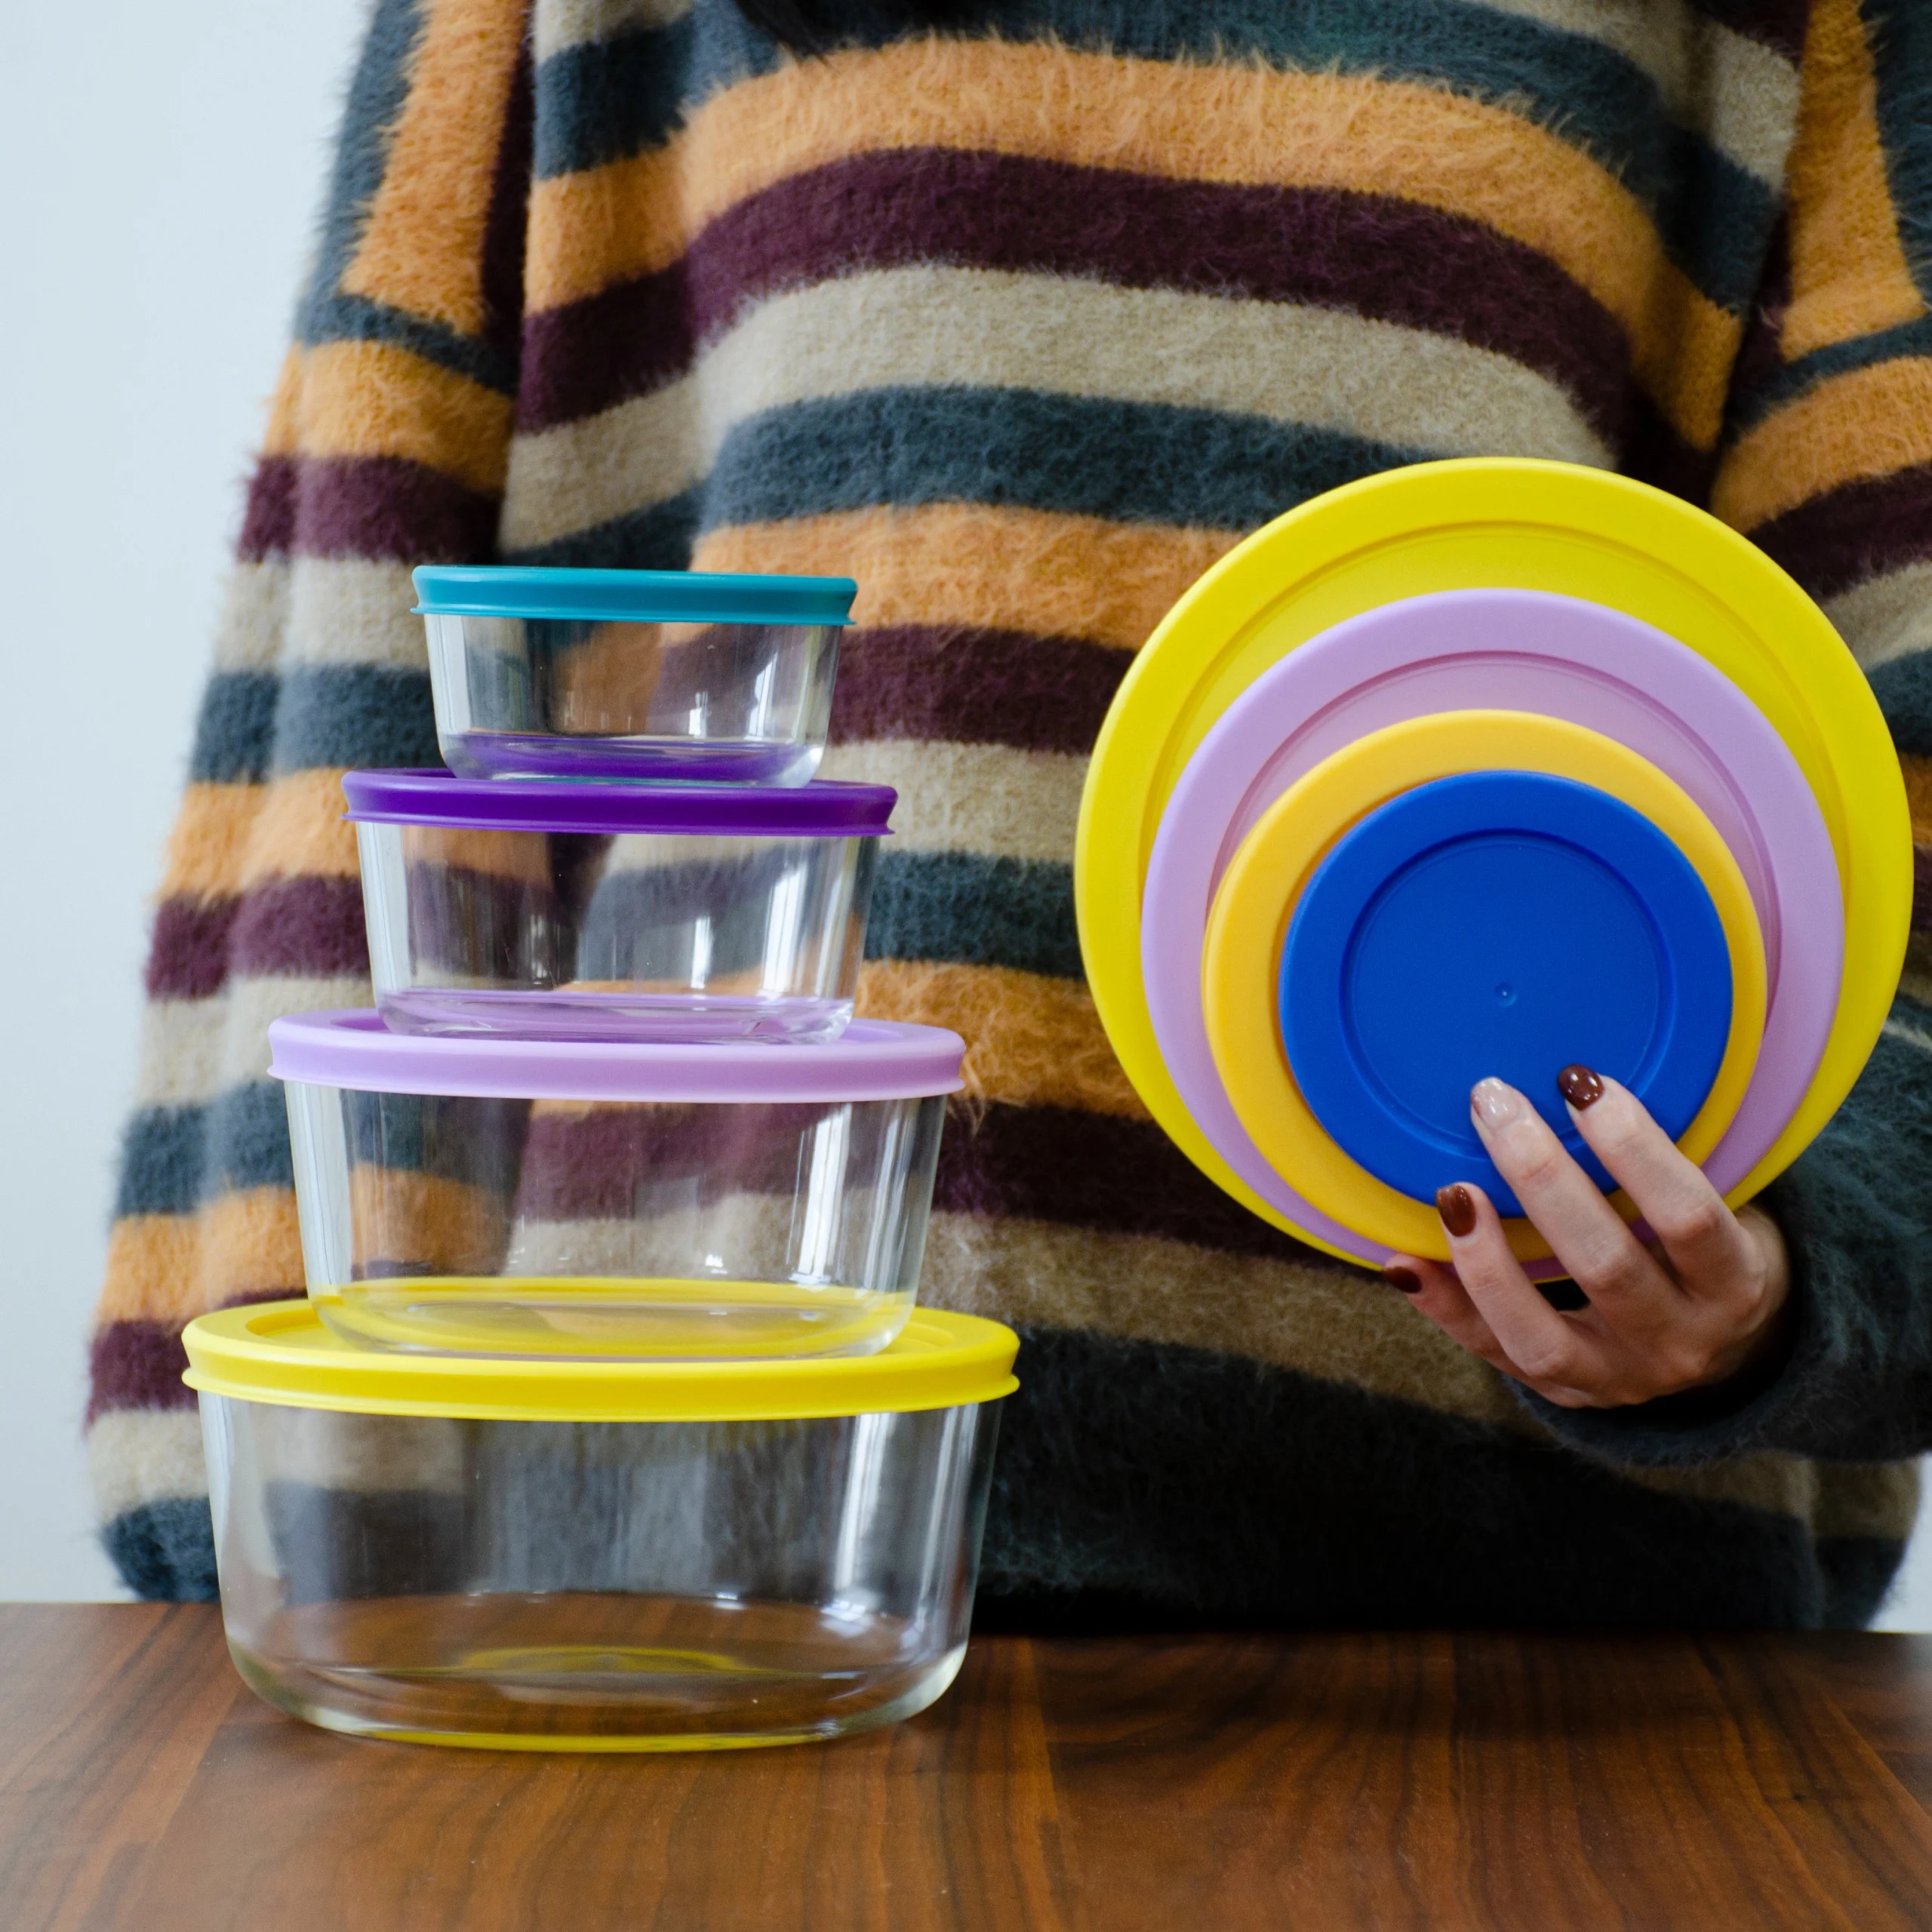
(1326, 1781)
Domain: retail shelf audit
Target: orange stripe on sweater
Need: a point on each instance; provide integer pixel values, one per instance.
(426, 1220)
(1235, 124)
(1029, 571)
(151, 1270)
(1849, 276)
(170, 1268)
(1030, 1041)
(210, 834)
(301, 829)
(228, 838)
(373, 399)
(1867, 423)
(421, 249)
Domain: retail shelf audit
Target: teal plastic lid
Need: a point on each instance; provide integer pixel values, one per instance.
(505, 590)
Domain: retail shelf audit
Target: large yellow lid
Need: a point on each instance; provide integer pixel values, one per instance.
(279, 1352)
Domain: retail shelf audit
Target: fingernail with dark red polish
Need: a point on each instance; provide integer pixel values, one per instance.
(1457, 1207)
(1407, 1279)
(1580, 1086)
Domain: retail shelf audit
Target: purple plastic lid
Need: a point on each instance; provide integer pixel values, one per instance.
(872, 1059)
(826, 808)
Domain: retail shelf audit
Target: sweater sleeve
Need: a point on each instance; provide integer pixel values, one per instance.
(386, 446)
(1828, 465)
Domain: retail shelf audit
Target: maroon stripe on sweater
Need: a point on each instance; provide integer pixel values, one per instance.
(364, 507)
(1094, 1170)
(504, 226)
(1379, 257)
(307, 925)
(136, 1365)
(139, 1364)
(1847, 535)
(1761, 358)
(1046, 1164)
(1654, 452)
(981, 687)
(188, 955)
(1777, 24)
(595, 1166)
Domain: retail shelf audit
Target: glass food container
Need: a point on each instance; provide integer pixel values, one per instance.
(615, 912)
(662, 675)
(534, 1198)
(596, 1556)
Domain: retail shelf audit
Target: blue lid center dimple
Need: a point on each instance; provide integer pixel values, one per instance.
(1505, 923)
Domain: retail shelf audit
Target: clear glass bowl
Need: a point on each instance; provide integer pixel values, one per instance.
(609, 913)
(538, 1582)
(661, 674)
(553, 1200)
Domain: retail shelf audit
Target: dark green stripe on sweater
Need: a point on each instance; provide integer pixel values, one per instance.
(1901, 39)
(1163, 1485)
(376, 93)
(1076, 455)
(174, 1158)
(1082, 455)
(254, 723)
(970, 910)
(355, 715)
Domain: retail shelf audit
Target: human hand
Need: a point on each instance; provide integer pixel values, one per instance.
(1690, 1311)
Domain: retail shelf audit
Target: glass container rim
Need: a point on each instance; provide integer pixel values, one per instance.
(519, 590)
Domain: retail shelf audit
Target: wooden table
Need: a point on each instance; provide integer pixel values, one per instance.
(1325, 1781)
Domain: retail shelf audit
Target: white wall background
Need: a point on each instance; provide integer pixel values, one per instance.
(160, 169)
(163, 167)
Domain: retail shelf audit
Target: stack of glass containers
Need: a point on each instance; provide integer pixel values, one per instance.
(609, 1423)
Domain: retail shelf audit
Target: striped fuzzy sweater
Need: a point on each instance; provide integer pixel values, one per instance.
(1022, 323)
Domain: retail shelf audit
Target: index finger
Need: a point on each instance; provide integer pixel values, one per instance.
(1696, 1231)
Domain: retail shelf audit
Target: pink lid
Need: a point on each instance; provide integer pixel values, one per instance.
(872, 1059)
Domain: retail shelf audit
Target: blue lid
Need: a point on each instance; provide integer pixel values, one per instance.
(493, 590)
(824, 809)
(1505, 923)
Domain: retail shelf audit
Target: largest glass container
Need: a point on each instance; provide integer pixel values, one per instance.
(534, 1198)
(596, 1556)
(661, 675)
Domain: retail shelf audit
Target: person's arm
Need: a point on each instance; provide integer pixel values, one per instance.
(387, 444)
(1804, 1324)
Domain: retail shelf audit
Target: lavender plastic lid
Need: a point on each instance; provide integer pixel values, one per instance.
(826, 808)
(872, 1059)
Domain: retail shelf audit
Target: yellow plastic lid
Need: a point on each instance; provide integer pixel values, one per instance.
(279, 1352)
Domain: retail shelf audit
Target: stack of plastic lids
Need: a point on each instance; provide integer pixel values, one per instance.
(1487, 768)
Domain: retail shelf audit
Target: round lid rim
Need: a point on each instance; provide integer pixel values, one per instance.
(278, 1354)
(530, 590)
(825, 808)
(872, 1059)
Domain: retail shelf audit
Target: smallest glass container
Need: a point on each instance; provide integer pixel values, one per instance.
(559, 911)
(607, 1556)
(670, 676)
